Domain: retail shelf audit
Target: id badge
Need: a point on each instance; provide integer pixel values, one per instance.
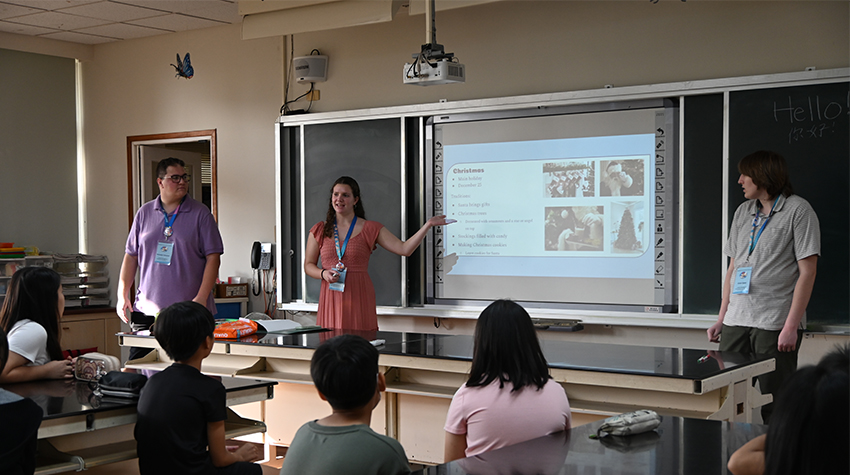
(742, 280)
(339, 285)
(164, 250)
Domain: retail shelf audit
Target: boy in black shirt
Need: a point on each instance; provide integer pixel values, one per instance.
(182, 411)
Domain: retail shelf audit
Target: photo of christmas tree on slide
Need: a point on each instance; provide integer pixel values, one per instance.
(629, 231)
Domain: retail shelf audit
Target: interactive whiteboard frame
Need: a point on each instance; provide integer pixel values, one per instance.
(664, 211)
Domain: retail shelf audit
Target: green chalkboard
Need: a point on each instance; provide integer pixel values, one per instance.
(702, 243)
(810, 127)
(370, 152)
(383, 155)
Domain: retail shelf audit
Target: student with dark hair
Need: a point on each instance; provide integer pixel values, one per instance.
(810, 430)
(30, 316)
(21, 418)
(181, 412)
(345, 372)
(509, 396)
(773, 245)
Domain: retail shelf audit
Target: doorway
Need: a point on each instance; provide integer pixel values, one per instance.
(196, 148)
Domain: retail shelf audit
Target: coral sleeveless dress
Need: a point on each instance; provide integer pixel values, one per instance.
(353, 309)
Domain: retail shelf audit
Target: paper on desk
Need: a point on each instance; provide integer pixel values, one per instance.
(301, 329)
(274, 326)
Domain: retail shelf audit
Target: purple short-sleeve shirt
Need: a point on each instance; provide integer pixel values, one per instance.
(195, 236)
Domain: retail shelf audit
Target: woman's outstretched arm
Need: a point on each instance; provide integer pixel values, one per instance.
(390, 242)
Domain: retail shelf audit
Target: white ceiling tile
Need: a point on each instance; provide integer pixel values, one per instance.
(40, 17)
(50, 4)
(11, 11)
(112, 11)
(221, 11)
(78, 38)
(19, 29)
(59, 21)
(176, 22)
(123, 31)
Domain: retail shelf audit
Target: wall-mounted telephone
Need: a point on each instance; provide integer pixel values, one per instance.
(261, 255)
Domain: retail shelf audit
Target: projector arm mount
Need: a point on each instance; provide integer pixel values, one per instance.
(431, 50)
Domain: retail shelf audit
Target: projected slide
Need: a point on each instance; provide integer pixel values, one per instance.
(548, 199)
(517, 208)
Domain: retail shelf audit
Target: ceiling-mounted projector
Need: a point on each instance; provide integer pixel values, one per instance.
(433, 66)
(313, 68)
(423, 73)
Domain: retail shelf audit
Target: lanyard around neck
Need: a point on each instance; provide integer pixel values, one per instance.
(341, 251)
(754, 238)
(168, 231)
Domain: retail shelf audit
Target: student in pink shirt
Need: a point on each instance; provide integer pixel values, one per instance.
(509, 396)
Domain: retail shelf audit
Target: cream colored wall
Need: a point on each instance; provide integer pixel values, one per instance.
(130, 89)
(532, 47)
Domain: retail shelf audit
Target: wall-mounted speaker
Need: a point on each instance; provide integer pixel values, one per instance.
(310, 68)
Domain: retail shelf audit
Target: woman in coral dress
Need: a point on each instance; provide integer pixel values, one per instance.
(345, 240)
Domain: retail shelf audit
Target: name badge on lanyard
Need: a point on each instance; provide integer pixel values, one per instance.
(164, 251)
(743, 275)
(340, 269)
(742, 280)
(339, 285)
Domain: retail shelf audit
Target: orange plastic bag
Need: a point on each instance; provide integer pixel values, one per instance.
(235, 329)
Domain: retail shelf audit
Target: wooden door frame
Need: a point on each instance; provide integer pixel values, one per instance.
(134, 141)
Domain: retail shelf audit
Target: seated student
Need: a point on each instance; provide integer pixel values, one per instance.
(181, 412)
(345, 372)
(30, 316)
(509, 396)
(809, 430)
(21, 418)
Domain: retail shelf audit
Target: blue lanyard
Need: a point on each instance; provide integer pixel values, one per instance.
(754, 238)
(169, 222)
(341, 252)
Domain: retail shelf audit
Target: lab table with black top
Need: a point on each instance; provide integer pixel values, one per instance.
(679, 446)
(80, 430)
(423, 371)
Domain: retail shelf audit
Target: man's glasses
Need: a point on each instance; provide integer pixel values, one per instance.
(177, 178)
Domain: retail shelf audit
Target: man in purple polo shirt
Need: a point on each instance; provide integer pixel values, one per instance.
(175, 245)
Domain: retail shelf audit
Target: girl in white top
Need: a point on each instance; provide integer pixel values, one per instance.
(509, 397)
(30, 316)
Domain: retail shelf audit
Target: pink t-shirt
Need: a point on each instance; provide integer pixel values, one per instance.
(492, 417)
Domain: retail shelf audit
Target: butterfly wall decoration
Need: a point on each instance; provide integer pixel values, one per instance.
(184, 68)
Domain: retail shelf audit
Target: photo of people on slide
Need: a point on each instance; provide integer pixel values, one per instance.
(629, 229)
(568, 179)
(574, 228)
(621, 177)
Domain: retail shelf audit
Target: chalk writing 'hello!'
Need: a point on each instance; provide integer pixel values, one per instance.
(810, 118)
